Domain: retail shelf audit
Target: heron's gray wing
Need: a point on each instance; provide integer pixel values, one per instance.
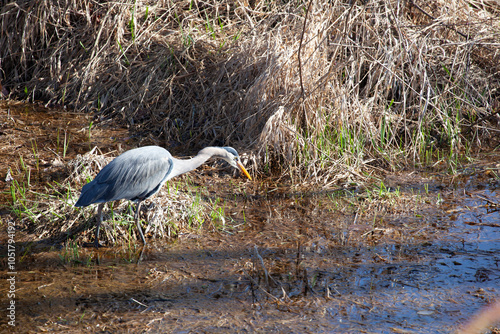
(136, 174)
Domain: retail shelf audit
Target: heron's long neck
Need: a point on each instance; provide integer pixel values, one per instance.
(184, 166)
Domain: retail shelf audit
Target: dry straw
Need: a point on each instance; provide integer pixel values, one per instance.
(316, 88)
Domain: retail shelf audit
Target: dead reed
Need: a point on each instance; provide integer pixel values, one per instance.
(319, 90)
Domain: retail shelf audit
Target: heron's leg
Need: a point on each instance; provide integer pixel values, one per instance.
(98, 226)
(137, 222)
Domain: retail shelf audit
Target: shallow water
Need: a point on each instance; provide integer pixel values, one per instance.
(426, 264)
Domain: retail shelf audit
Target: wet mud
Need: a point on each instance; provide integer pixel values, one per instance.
(420, 255)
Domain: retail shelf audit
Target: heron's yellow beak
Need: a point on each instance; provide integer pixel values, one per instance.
(240, 166)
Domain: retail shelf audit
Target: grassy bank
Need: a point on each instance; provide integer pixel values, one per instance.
(310, 89)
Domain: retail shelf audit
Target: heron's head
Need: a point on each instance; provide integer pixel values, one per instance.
(233, 158)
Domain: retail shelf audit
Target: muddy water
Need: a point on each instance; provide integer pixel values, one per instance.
(424, 260)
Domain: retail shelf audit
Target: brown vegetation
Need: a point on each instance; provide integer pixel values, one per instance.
(322, 92)
(310, 87)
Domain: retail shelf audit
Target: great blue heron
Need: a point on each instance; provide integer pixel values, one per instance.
(140, 173)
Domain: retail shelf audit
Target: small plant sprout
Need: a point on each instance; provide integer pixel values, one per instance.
(132, 23)
(83, 46)
(127, 62)
(65, 143)
(34, 148)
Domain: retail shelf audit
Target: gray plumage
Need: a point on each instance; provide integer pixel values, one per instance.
(135, 175)
(140, 173)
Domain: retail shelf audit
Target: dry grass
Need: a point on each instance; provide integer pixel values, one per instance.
(313, 89)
